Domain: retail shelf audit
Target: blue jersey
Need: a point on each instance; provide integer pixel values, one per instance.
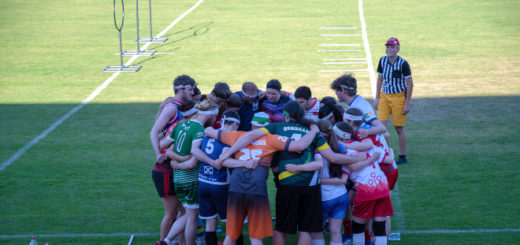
(208, 174)
(246, 112)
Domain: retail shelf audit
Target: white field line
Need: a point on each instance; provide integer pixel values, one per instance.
(339, 28)
(462, 231)
(340, 35)
(339, 45)
(398, 219)
(93, 95)
(367, 48)
(131, 239)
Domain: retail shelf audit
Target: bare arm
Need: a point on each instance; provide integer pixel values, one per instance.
(211, 132)
(174, 156)
(378, 90)
(201, 156)
(233, 163)
(359, 165)
(305, 141)
(342, 159)
(409, 90)
(364, 145)
(335, 181)
(241, 143)
(307, 167)
(163, 118)
(161, 106)
(191, 163)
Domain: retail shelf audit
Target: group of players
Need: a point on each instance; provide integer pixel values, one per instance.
(330, 161)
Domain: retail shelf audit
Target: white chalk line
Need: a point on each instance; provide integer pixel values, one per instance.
(398, 218)
(93, 95)
(367, 48)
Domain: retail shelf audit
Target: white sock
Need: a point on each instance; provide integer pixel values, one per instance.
(358, 239)
(167, 241)
(318, 242)
(333, 243)
(381, 240)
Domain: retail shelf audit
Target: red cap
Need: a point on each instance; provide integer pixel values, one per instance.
(392, 41)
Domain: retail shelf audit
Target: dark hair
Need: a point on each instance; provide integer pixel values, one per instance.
(187, 105)
(230, 113)
(356, 112)
(345, 127)
(328, 99)
(221, 90)
(183, 80)
(248, 86)
(196, 91)
(336, 110)
(347, 82)
(326, 130)
(274, 84)
(303, 92)
(296, 113)
(234, 101)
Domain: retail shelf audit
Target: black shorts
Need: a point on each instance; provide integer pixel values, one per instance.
(164, 184)
(298, 208)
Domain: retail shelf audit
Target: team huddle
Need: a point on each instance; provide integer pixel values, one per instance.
(329, 158)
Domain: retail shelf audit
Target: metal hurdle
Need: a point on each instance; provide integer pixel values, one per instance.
(138, 51)
(120, 68)
(151, 39)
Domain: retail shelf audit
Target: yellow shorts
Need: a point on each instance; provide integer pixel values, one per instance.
(392, 104)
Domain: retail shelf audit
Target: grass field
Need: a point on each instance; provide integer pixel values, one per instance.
(91, 175)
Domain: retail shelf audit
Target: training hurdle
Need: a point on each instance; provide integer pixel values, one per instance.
(151, 39)
(120, 68)
(138, 51)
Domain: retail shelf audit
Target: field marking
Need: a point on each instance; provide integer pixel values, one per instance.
(339, 45)
(131, 239)
(367, 48)
(340, 50)
(93, 95)
(340, 35)
(399, 219)
(462, 231)
(339, 28)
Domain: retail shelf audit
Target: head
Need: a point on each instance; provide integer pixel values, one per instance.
(207, 112)
(294, 112)
(344, 86)
(302, 95)
(392, 47)
(249, 92)
(354, 117)
(230, 120)
(188, 109)
(197, 95)
(343, 131)
(272, 91)
(220, 93)
(327, 99)
(260, 119)
(183, 87)
(326, 131)
(331, 112)
(234, 102)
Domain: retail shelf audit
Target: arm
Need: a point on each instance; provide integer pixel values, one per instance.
(233, 163)
(335, 181)
(378, 90)
(163, 118)
(342, 159)
(359, 165)
(161, 106)
(174, 156)
(378, 128)
(311, 166)
(165, 142)
(409, 90)
(241, 143)
(211, 132)
(305, 141)
(364, 145)
(191, 163)
(201, 156)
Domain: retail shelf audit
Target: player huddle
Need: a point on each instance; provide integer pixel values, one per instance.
(331, 163)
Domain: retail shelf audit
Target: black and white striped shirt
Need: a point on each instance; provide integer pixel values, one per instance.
(394, 75)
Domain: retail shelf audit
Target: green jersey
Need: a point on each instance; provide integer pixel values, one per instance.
(296, 131)
(183, 135)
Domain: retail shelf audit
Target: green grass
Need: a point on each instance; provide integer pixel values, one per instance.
(92, 174)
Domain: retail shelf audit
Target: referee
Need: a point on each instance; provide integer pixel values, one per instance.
(395, 77)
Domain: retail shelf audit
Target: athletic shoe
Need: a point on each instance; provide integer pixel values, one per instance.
(161, 243)
(401, 160)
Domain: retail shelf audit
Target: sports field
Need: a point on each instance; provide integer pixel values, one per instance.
(76, 157)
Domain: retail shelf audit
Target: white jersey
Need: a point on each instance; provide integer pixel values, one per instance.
(311, 113)
(370, 182)
(329, 192)
(368, 111)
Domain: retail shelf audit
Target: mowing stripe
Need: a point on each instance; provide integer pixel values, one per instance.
(367, 48)
(93, 95)
(344, 59)
(343, 63)
(338, 45)
(338, 28)
(340, 35)
(341, 50)
(344, 70)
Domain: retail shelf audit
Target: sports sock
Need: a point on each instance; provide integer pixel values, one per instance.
(318, 242)
(333, 243)
(211, 237)
(167, 241)
(358, 239)
(381, 240)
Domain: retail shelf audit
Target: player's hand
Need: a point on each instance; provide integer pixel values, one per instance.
(291, 168)
(363, 133)
(376, 103)
(406, 109)
(161, 158)
(261, 95)
(251, 164)
(315, 128)
(174, 164)
(375, 156)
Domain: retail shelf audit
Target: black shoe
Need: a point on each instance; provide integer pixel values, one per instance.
(401, 160)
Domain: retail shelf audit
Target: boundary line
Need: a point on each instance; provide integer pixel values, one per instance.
(92, 96)
(367, 48)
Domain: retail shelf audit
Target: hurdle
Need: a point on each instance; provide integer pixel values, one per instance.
(138, 51)
(120, 68)
(151, 39)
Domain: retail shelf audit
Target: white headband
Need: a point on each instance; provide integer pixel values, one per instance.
(189, 112)
(347, 87)
(232, 119)
(182, 86)
(211, 113)
(327, 117)
(340, 133)
(249, 96)
(352, 117)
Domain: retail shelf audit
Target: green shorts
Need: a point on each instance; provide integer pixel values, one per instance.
(188, 194)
